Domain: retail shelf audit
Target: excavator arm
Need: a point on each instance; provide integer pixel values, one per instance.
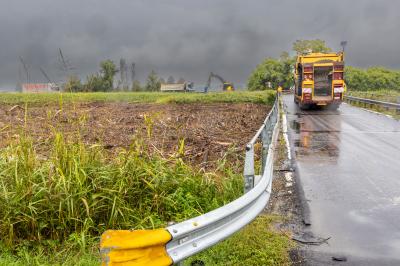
(226, 86)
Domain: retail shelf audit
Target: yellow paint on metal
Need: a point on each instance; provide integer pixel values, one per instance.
(323, 64)
(135, 248)
(317, 57)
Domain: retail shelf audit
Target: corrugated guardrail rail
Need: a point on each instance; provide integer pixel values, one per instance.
(179, 241)
(387, 105)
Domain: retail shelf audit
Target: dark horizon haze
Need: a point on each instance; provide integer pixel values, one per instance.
(187, 38)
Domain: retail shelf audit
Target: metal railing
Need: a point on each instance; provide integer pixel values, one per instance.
(194, 235)
(383, 104)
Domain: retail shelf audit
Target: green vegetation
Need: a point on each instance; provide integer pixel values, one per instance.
(136, 86)
(102, 81)
(153, 82)
(372, 79)
(76, 192)
(380, 95)
(303, 47)
(55, 205)
(272, 73)
(70, 253)
(257, 244)
(139, 97)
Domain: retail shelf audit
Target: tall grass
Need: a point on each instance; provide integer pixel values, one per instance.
(79, 190)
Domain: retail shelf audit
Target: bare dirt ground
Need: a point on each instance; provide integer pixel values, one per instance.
(208, 130)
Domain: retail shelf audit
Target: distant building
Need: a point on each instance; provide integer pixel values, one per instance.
(38, 87)
(179, 87)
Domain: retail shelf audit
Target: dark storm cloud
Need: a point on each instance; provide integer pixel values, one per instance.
(188, 38)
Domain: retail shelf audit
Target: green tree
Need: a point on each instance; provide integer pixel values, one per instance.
(302, 47)
(73, 84)
(136, 86)
(94, 82)
(153, 82)
(269, 72)
(108, 70)
(374, 78)
(104, 80)
(287, 69)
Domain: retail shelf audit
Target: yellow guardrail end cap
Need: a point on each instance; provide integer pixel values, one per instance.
(139, 247)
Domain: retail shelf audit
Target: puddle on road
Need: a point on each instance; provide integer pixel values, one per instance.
(295, 126)
(320, 144)
(316, 136)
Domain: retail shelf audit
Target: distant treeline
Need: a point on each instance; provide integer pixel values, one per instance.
(274, 72)
(104, 80)
(373, 78)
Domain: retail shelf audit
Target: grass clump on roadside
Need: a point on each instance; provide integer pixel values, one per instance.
(261, 97)
(257, 244)
(76, 192)
(380, 95)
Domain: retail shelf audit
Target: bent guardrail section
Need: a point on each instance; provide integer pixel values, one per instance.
(144, 247)
(387, 105)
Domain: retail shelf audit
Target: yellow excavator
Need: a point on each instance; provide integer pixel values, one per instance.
(226, 86)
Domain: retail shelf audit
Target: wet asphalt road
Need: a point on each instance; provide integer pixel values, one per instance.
(348, 162)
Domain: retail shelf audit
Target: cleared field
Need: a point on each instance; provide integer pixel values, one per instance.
(74, 165)
(206, 130)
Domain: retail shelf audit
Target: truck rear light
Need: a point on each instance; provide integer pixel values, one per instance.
(339, 68)
(307, 96)
(338, 75)
(308, 69)
(308, 76)
(337, 96)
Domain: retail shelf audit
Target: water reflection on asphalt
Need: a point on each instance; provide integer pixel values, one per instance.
(348, 162)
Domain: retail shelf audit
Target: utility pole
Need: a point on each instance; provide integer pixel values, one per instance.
(343, 44)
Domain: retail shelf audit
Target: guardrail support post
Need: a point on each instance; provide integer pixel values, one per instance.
(249, 168)
(265, 144)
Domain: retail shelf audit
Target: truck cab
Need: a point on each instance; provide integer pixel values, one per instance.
(319, 80)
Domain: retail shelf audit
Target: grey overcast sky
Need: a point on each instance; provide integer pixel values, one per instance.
(188, 38)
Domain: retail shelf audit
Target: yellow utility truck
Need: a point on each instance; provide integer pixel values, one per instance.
(319, 80)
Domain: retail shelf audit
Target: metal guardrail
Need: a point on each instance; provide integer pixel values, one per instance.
(156, 247)
(387, 105)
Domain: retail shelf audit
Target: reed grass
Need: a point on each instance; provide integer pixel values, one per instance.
(79, 190)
